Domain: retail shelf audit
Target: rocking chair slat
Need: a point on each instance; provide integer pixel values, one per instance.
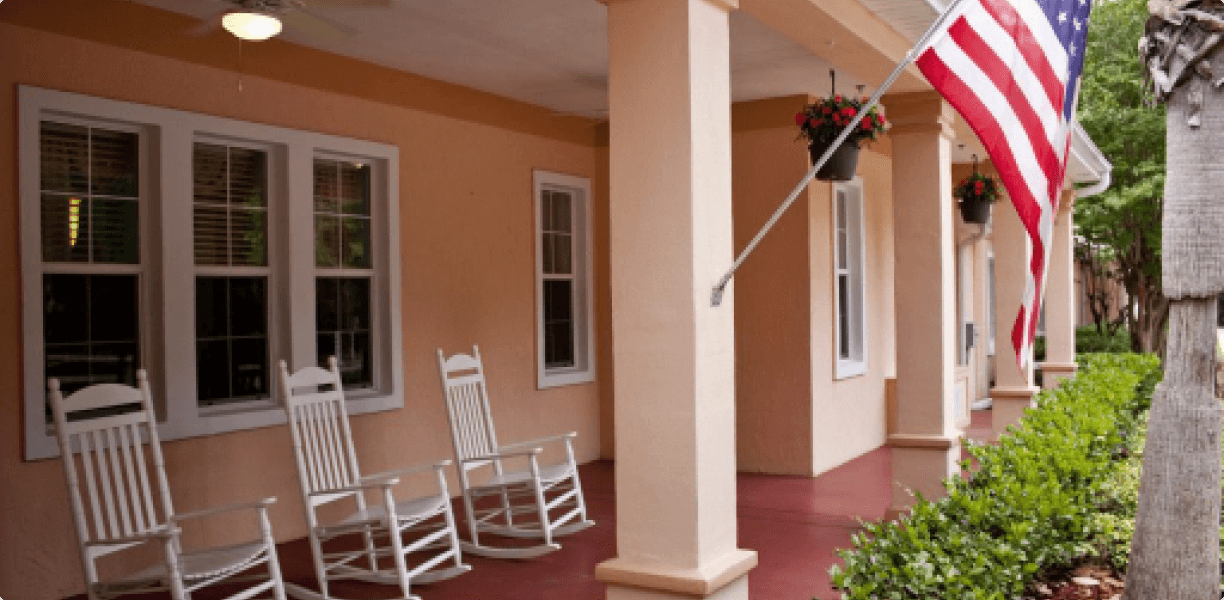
(143, 472)
(316, 473)
(95, 506)
(129, 469)
(125, 516)
(104, 480)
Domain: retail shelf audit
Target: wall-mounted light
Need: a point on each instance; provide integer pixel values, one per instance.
(253, 26)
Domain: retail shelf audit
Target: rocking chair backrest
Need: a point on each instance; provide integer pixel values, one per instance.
(318, 420)
(117, 499)
(467, 406)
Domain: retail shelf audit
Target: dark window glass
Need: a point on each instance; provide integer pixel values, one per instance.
(558, 324)
(231, 339)
(843, 315)
(342, 315)
(91, 329)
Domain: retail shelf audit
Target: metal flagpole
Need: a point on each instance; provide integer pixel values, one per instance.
(716, 299)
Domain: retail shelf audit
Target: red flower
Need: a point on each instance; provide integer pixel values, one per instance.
(800, 118)
(977, 187)
(837, 98)
(850, 112)
(880, 119)
(867, 125)
(827, 110)
(813, 123)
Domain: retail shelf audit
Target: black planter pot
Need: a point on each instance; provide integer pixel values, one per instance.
(975, 211)
(840, 166)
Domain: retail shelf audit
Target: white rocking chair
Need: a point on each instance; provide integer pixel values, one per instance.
(327, 471)
(533, 492)
(109, 445)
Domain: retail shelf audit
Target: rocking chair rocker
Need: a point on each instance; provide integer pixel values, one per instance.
(510, 495)
(122, 513)
(327, 471)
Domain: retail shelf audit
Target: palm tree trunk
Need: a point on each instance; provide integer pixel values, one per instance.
(1175, 553)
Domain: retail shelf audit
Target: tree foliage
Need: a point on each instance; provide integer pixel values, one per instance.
(1118, 231)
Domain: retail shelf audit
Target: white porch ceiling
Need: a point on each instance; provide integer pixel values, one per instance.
(553, 53)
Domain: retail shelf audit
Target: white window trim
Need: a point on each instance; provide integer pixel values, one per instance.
(168, 264)
(585, 331)
(847, 368)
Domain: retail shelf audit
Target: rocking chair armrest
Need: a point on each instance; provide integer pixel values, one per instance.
(500, 455)
(148, 536)
(395, 473)
(258, 505)
(363, 486)
(538, 441)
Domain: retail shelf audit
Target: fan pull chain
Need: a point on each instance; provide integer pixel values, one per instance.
(239, 64)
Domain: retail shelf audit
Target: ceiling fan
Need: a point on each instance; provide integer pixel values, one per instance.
(256, 20)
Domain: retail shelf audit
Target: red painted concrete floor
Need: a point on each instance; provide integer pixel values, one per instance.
(795, 524)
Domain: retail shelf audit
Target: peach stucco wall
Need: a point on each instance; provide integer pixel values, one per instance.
(792, 415)
(467, 267)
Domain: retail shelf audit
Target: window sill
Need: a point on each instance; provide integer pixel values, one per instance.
(564, 378)
(849, 370)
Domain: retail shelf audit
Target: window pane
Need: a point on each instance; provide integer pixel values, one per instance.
(326, 186)
(249, 237)
(65, 229)
(210, 166)
(843, 316)
(248, 178)
(212, 371)
(355, 189)
(248, 299)
(548, 254)
(212, 307)
(64, 158)
(356, 242)
(211, 235)
(561, 212)
(250, 368)
(546, 210)
(327, 241)
(115, 163)
(91, 329)
(114, 231)
(343, 325)
(563, 255)
(558, 324)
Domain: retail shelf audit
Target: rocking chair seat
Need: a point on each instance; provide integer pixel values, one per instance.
(407, 510)
(548, 475)
(204, 564)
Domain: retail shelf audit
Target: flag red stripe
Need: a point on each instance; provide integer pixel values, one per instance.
(1030, 49)
(993, 67)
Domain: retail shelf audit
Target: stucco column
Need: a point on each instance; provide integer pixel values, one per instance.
(671, 240)
(1060, 299)
(925, 446)
(1013, 390)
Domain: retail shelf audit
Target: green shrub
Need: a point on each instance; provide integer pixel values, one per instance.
(1029, 506)
(1088, 339)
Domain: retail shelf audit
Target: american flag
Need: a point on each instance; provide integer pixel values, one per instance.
(1012, 69)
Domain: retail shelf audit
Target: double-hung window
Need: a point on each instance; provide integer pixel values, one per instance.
(564, 339)
(92, 199)
(849, 297)
(203, 250)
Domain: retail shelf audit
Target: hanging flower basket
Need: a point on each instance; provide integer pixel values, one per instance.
(974, 195)
(842, 164)
(823, 120)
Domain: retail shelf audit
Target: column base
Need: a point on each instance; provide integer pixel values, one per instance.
(920, 464)
(726, 579)
(1009, 406)
(1052, 373)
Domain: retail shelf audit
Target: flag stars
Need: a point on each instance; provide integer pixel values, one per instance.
(1062, 17)
(1078, 24)
(1073, 49)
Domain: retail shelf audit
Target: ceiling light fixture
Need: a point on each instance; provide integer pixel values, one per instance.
(253, 26)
